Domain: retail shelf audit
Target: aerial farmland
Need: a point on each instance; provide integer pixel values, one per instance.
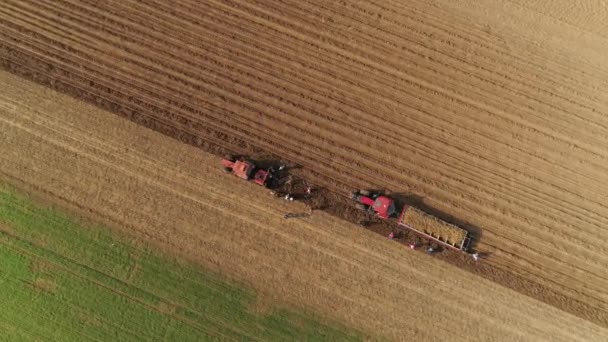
(304, 170)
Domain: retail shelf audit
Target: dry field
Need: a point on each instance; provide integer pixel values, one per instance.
(494, 114)
(174, 196)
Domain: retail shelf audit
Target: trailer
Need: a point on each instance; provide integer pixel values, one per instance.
(434, 229)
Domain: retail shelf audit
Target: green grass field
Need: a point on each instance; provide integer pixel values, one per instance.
(62, 281)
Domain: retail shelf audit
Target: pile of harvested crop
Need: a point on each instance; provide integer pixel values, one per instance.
(421, 221)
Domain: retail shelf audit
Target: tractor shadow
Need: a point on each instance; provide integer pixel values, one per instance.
(268, 160)
(403, 199)
(263, 163)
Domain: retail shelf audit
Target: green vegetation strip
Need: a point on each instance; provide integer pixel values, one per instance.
(63, 281)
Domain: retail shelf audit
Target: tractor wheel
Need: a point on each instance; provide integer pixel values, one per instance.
(361, 206)
(228, 169)
(363, 223)
(364, 192)
(354, 196)
(230, 157)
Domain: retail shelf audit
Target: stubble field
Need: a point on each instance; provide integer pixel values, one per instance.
(493, 116)
(173, 197)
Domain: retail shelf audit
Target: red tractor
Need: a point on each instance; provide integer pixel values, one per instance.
(247, 170)
(375, 202)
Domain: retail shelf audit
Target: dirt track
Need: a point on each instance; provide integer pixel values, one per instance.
(494, 115)
(133, 177)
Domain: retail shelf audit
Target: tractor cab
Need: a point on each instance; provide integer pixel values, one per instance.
(384, 207)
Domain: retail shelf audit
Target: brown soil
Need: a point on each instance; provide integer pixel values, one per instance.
(176, 197)
(489, 116)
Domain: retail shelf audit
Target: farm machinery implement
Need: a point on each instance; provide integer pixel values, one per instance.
(373, 202)
(434, 229)
(413, 219)
(248, 170)
(273, 177)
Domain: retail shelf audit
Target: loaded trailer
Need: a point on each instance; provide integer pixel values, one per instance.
(434, 229)
(427, 226)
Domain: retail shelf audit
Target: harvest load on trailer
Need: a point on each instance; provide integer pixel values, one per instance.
(434, 229)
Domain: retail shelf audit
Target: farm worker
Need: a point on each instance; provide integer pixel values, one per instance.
(430, 250)
(412, 245)
(391, 235)
(308, 191)
(475, 256)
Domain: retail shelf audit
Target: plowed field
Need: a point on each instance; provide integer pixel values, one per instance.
(133, 179)
(494, 115)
